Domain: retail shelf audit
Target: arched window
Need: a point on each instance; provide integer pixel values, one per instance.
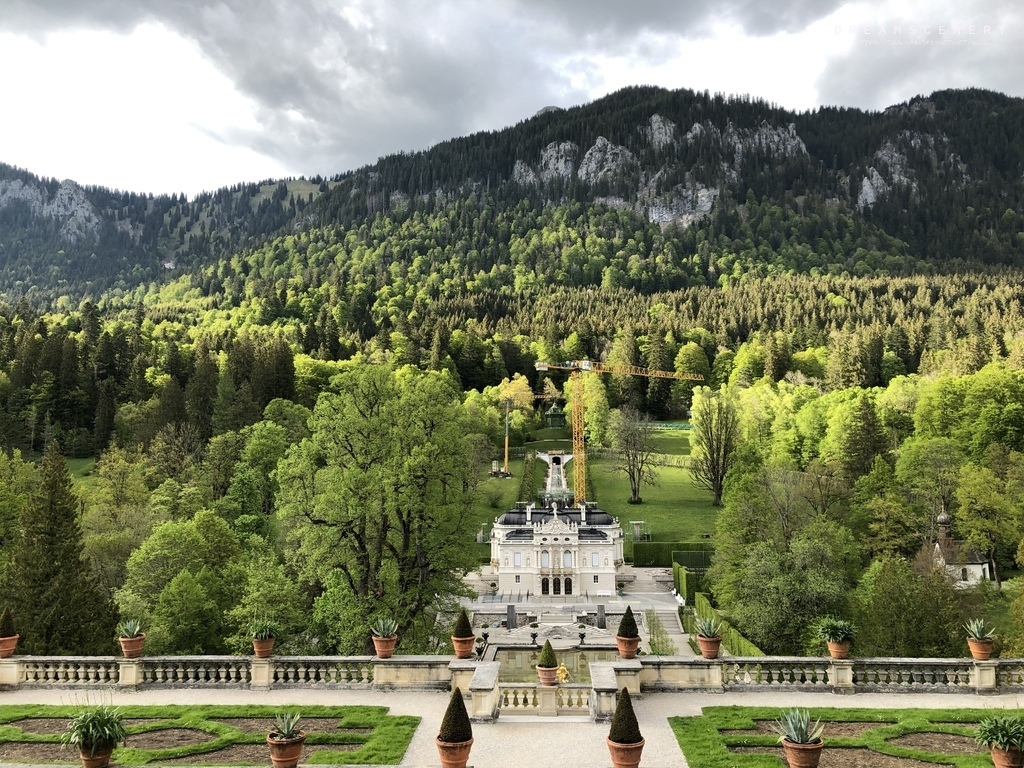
(557, 585)
(568, 586)
(545, 560)
(567, 559)
(544, 588)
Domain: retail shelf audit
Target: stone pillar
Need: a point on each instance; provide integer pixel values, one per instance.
(627, 675)
(603, 691)
(510, 617)
(602, 622)
(840, 674)
(547, 700)
(462, 672)
(10, 672)
(484, 692)
(261, 674)
(129, 673)
(985, 677)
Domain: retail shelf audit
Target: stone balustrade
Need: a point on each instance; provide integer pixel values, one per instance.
(489, 698)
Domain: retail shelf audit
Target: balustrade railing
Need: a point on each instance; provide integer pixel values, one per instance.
(70, 671)
(896, 675)
(196, 671)
(333, 671)
(520, 698)
(544, 700)
(654, 673)
(774, 671)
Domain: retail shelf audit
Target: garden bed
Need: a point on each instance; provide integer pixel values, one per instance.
(213, 735)
(723, 737)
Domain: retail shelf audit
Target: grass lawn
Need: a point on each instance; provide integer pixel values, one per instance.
(81, 472)
(222, 735)
(943, 736)
(675, 509)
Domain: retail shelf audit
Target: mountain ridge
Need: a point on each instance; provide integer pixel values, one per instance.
(942, 173)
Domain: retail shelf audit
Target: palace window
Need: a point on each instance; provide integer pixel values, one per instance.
(517, 559)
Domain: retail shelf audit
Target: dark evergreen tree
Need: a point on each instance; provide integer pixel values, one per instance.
(59, 608)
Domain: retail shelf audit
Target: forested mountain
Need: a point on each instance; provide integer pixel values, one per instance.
(269, 372)
(727, 185)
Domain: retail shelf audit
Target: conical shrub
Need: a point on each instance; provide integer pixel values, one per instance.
(456, 727)
(547, 656)
(462, 626)
(627, 625)
(7, 624)
(625, 729)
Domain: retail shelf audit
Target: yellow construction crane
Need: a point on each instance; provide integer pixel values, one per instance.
(576, 370)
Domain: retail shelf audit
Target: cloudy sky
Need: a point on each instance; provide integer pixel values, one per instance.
(186, 95)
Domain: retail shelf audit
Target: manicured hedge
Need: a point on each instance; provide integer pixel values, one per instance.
(695, 555)
(732, 640)
(685, 582)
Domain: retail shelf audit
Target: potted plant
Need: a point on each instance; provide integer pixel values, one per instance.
(8, 637)
(455, 738)
(263, 632)
(95, 731)
(625, 742)
(547, 665)
(131, 637)
(979, 639)
(462, 636)
(837, 634)
(709, 635)
(801, 742)
(1004, 737)
(627, 637)
(384, 633)
(286, 740)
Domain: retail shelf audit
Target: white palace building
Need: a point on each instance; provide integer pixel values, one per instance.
(556, 548)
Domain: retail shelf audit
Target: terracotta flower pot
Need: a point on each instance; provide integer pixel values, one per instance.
(263, 649)
(625, 755)
(547, 675)
(627, 646)
(453, 754)
(7, 645)
(384, 647)
(709, 646)
(1006, 758)
(839, 650)
(802, 755)
(285, 753)
(131, 647)
(981, 650)
(100, 758)
(463, 646)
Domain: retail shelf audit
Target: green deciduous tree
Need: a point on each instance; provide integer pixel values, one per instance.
(376, 501)
(714, 439)
(632, 439)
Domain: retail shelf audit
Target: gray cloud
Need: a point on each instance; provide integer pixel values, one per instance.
(338, 83)
(897, 59)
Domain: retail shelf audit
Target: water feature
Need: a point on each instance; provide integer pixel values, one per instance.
(519, 665)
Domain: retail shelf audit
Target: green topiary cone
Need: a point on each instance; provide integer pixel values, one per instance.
(7, 624)
(455, 727)
(547, 656)
(627, 626)
(462, 626)
(625, 729)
